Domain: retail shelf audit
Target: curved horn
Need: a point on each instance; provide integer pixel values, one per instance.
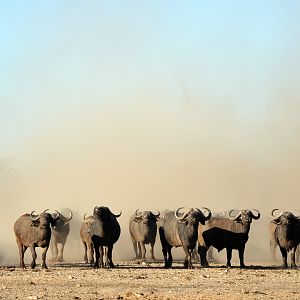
(117, 216)
(70, 216)
(157, 215)
(45, 210)
(272, 213)
(253, 216)
(58, 215)
(136, 213)
(84, 218)
(183, 216)
(34, 218)
(209, 213)
(234, 218)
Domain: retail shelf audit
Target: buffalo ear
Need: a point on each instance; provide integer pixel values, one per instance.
(276, 221)
(202, 221)
(35, 223)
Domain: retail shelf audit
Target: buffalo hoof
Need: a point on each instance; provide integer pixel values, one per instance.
(96, 267)
(33, 265)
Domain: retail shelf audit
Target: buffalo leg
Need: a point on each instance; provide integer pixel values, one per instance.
(241, 256)
(134, 244)
(143, 251)
(61, 252)
(22, 250)
(170, 258)
(229, 256)
(85, 258)
(188, 257)
(97, 256)
(152, 251)
(109, 256)
(298, 253)
(91, 253)
(284, 257)
(33, 263)
(44, 253)
(101, 264)
(293, 263)
(202, 251)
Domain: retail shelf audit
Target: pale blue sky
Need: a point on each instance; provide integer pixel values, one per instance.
(56, 56)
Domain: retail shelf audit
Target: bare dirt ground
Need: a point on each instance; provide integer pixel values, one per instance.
(130, 280)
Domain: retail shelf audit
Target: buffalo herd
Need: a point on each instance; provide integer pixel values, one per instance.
(189, 228)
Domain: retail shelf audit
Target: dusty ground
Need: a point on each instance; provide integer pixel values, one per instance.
(148, 281)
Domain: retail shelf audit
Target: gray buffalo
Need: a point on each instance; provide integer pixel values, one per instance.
(230, 233)
(286, 235)
(59, 236)
(181, 230)
(34, 231)
(143, 229)
(105, 231)
(86, 239)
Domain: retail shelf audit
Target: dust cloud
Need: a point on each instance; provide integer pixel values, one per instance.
(149, 156)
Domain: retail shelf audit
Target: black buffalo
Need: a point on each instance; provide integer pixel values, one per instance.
(34, 231)
(230, 233)
(180, 231)
(105, 231)
(286, 235)
(86, 239)
(143, 229)
(59, 236)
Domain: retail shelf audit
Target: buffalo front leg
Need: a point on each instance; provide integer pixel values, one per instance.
(134, 244)
(241, 256)
(85, 258)
(152, 251)
(33, 253)
(109, 256)
(293, 256)
(284, 257)
(44, 253)
(91, 253)
(61, 253)
(202, 251)
(143, 251)
(229, 256)
(97, 256)
(188, 258)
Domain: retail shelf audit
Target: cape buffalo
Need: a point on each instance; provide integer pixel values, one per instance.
(59, 236)
(143, 229)
(86, 239)
(180, 230)
(230, 233)
(34, 231)
(286, 235)
(104, 231)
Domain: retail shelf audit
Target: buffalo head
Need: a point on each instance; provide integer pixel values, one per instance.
(44, 219)
(192, 216)
(146, 216)
(284, 218)
(244, 216)
(104, 213)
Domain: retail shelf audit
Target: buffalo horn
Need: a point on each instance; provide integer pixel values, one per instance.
(209, 213)
(157, 215)
(34, 218)
(234, 218)
(70, 216)
(117, 216)
(258, 214)
(272, 213)
(183, 216)
(136, 213)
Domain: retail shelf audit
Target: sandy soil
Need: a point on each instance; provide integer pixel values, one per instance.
(130, 280)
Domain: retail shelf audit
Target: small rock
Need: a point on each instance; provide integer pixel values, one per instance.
(78, 285)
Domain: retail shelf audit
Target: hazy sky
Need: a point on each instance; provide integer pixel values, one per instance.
(210, 87)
